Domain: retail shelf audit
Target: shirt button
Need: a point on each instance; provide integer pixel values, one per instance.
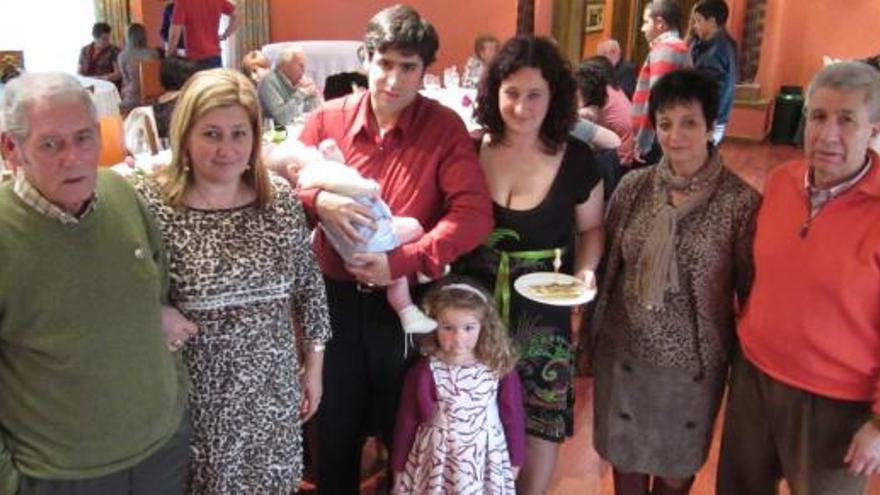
(140, 254)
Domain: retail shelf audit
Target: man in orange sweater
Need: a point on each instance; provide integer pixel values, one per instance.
(804, 402)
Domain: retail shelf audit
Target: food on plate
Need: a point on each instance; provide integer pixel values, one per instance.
(558, 290)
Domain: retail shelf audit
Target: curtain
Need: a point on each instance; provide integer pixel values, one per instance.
(116, 14)
(753, 33)
(525, 17)
(568, 27)
(253, 29)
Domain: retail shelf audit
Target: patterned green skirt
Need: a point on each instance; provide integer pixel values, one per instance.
(542, 334)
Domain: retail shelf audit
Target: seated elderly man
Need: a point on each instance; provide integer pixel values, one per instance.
(92, 398)
(804, 402)
(287, 93)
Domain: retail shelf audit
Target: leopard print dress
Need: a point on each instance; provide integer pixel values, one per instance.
(243, 275)
(659, 374)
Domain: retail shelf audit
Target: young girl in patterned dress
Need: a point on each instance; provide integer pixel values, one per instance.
(460, 428)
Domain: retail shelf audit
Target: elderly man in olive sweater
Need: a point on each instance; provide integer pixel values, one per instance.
(92, 400)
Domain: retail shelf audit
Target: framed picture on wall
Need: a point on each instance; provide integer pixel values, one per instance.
(595, 17)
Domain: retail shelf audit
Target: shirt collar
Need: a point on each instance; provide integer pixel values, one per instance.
(364, 117)
(838, 189)
(34, 199)
(871, 184)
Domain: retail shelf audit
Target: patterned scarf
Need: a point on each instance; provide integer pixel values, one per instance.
(658, 265)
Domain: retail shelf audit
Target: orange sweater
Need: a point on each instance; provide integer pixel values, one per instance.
(812, 320)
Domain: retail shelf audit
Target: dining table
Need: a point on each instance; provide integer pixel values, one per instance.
(460, 100)
(105, 95)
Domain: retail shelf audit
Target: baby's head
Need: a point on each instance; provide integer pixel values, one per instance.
(320, 167)
(467, 326)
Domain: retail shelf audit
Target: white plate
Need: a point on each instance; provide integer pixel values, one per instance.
(524, 285)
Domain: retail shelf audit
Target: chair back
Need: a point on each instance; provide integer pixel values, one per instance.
(151, 87)
(139, 129)
(112, 143)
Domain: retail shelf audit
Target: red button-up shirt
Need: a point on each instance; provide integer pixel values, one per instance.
(427, 168)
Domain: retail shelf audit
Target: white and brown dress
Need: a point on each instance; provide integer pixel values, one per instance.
(243, 275)
(459, 430)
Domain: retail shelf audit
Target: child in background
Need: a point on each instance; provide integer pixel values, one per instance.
(325, 168)
(460, 427)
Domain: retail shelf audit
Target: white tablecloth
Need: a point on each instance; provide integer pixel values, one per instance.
(325, 58)
(461, 100)
(105, 95)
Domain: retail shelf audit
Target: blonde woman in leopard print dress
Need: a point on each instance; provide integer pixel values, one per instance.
(242, 269)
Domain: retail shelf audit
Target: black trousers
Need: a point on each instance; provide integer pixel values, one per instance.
(363, 376)
(163, 473)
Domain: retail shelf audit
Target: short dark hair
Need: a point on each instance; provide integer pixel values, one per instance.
(593, 76)
(401, 27)
(668, 10)
(99, 29)
(482, 40)
(542, 54)
(713, 9)
(174, 71)
(681, 87)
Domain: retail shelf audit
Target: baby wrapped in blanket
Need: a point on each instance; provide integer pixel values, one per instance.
(325, 168)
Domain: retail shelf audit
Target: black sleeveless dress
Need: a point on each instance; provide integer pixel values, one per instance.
(542, 333)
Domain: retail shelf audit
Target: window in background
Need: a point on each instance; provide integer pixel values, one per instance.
(51, 32)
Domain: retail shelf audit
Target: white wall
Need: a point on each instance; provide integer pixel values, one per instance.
(51, 32)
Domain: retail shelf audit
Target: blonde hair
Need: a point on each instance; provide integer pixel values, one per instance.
(253, 60)
(494, 347)
(205, 91)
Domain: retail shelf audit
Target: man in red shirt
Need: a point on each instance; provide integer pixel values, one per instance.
(804, 401)
(422, 157)
(199, 21)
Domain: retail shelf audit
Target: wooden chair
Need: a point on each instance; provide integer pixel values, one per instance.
(151, 87)
(112, 141)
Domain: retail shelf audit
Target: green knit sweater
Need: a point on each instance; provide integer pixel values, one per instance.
(87, 386)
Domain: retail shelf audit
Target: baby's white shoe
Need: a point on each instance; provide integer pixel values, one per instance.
(415, 321)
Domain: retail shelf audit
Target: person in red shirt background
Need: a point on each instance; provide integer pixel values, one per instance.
(198, 21)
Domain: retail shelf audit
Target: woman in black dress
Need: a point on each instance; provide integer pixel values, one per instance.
(548, 205)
